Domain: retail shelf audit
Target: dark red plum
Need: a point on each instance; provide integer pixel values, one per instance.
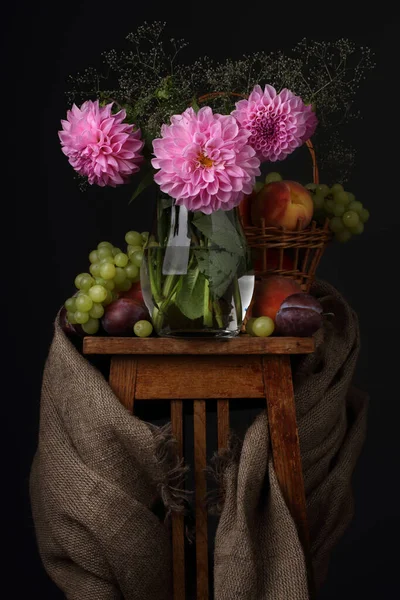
(300, 315)
(69, 329)
(121, 315)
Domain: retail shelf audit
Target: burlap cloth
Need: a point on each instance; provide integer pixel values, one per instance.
(100, 475)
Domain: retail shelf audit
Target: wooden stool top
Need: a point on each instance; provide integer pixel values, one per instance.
(242, 344)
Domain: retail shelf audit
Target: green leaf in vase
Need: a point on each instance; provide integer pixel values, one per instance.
(220, 230)
(190, 296)
(219, 266)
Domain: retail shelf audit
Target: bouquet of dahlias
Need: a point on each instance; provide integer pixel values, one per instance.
(202, 161)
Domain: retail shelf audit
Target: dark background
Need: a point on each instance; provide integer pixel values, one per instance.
(50, 226)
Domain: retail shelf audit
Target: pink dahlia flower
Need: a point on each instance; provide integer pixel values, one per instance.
(99, 145)
(278, 123)
(205, 161)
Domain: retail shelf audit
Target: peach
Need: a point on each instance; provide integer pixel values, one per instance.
(269, 293)
(282, 204)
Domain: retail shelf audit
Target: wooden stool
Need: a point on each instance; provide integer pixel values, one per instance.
(200, 369)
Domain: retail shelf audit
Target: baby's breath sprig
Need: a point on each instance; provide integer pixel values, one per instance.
(149, 81)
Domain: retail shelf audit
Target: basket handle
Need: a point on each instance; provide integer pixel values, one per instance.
(309, 144)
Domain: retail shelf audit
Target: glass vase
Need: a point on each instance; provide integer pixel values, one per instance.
(196, 275)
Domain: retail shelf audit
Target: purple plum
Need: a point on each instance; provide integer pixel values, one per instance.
(300, 315)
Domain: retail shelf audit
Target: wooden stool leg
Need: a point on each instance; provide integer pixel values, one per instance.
(223, 423)
(178, 522)
(199, 419)
(122, 379)
(286, 455)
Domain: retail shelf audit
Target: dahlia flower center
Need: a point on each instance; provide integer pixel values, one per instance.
(266, 127)
(205, 161)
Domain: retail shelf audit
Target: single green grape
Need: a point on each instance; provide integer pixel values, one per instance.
(93, 256)
(107, 260)
(70, 304)
(137, 258)
(79, 278)
(109, 284)
(98, 293)
(145, 236)
(105, 245)
(341, 198)
(273, 176)
(263, 327)
(124, 286)
(95, 269)
(83, 302)
(249, 326)
(356, 206)
(86, 283)
(100, 281)
(343, 236)
(134, 238)
(71, 317)
(364, 215)
(337, 187)
(143, 328)
(119, 276)
(107, 271)
(121, 259)
(116, 251)
(329, 205)
(109, 298)
(358, 229)
(350, 218)
(91, 326)
(131, 249)
(351, 196)
(323, 188)
(338, 210)
(132, 271)
(318, 200)
(81, 317)
(336, 224)
(97, 311)
(103, 252)
(311, 186)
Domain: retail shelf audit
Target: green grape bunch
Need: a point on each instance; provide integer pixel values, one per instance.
(347, 216)
(111, 271)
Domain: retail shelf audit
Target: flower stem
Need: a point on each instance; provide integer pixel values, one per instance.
(208, 317)
(155, 286)
(238, 301)
(218, 313)
(168, 284)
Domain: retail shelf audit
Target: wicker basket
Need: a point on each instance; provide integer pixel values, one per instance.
(294, 254)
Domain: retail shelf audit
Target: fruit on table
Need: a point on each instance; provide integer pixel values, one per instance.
(269, 293)
(134, 293)
(68, 328)
(143, 328)
(121, 315)
(283, 204)
(249, 325)
(112, 273)
(300, 315)
(262, 327)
